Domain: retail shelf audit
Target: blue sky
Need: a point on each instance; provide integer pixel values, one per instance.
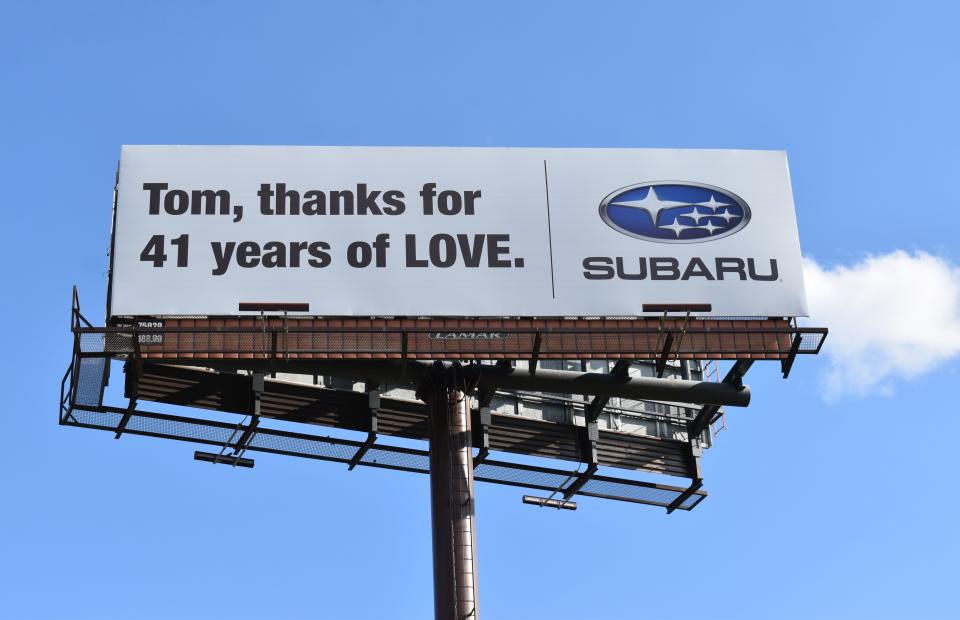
(832, 496)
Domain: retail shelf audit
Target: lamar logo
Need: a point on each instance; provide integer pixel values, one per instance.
(467, 336)
(674, 212)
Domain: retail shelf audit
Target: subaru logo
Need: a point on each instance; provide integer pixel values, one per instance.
(675, 212)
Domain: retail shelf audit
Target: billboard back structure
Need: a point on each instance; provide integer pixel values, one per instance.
(397, 231)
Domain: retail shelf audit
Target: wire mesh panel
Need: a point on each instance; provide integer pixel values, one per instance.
(603, 487)
(394, 459)
(316, 447)
(91, 373)
(110, 342)
(105, 420)
(534, 478)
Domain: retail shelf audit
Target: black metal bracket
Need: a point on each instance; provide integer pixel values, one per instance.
(133, 369)
(122, 426)
(693, 457)
(581, 480)
(535, 358)
(592, 411)
(668, 341)
(240, 446)
(404, 359)
(242, 442)
(373, 407)
(787, 364)
(485, 395)
(664, 354)
(690, 490)
(588, 437)
(473, 374)
(482, 418)
(705, 416)
(257, 386)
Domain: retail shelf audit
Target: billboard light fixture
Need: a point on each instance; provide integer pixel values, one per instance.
(546, 502)
(235, 461)
(273, 306)
(678, 307)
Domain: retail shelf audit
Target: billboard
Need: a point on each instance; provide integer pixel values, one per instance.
(411, 231)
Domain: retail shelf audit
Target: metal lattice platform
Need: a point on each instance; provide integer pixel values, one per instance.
(338, 450)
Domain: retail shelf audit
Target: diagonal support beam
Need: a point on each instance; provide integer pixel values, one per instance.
(373, 408)
(588, 436)
(593, 410)
(706, 414)
(690, 490)
(736, 373)
(581, 480)
(787, 364)
(535, 358)
(133, 368)
(122, 426)
(241, 444)
(664, 354)
(239, 447)
(693, 458)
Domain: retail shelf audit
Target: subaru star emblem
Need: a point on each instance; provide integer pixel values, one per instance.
(674, 212)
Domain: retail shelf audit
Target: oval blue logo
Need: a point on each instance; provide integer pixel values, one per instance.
(675, 212)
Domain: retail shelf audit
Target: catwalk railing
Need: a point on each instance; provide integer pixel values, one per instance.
(461, 339)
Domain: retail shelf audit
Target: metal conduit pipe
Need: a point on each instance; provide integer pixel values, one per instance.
(503, 377)
(603, 384)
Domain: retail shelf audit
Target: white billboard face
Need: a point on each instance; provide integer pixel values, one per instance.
(454, 231)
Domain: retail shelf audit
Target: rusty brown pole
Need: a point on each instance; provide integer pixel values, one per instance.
(451, 495)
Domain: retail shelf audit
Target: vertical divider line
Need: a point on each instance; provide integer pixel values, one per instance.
(546, 187)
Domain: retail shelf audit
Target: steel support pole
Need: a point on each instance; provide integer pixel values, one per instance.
(451, 497)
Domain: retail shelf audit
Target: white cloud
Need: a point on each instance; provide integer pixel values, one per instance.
(890, 315)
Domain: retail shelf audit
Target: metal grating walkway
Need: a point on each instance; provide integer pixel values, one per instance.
(338, 450)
